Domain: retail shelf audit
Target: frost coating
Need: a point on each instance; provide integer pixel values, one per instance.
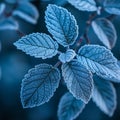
(99, 60)
(39, 85)
(78, 80)
(67, 56)
(61, 24)
(38, 45)
(84, 5)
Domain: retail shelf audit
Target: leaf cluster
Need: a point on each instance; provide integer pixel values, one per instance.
(87, 71)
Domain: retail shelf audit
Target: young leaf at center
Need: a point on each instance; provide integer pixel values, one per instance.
(67, 56)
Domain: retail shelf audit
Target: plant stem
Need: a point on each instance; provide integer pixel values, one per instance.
(88, 23)
(11, 12)
(111, 17)
(57, 64)
(20, 33)
(85, 34)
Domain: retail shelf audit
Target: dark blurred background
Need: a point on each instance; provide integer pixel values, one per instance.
(15, 64)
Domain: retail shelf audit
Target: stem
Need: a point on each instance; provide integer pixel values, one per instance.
(59, 52)
(57, 64)
(111, 17)
(85, 34)
(88, 23)
(11, 12)
(79, 42)
(20, 33)
(91, 17)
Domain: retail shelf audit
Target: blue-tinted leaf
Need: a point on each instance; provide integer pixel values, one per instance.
(105, 31)
(27, 11)
(39, 85)
(99, 60)
(104, 95)
(112, 6)
(69, 107)
(84, 5)
(78, 80)
(8, 24)
(38, 45)
(61, 24)
(2, 8)
(67, 56)
(118, 62)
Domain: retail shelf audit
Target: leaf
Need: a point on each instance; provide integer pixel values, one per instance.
(112, 6)
(27, 11)
(61, 24)
(38, 45)
(8, 24)
(78, 80)
(99, 60)
(84, 5)
(39, 85)
(105, 31)
(104, 95)
(67, 56)
(2, 8)
(69, 107)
